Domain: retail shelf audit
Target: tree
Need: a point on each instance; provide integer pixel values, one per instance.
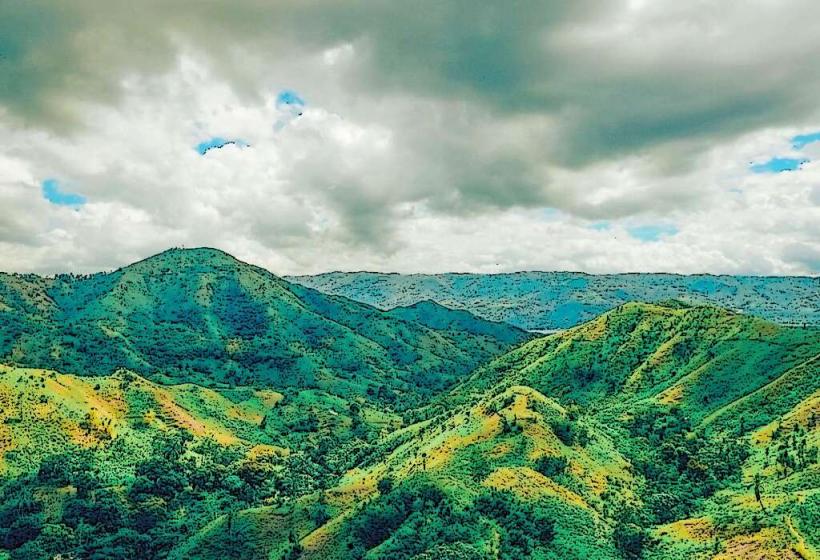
(630, 539)
(551, 465)
(385, 485)
(758, 497)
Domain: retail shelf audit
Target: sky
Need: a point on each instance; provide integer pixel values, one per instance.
(429, 136)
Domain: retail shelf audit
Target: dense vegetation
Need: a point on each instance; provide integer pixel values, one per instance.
(653, 431)
(559, 300)
(200, 315)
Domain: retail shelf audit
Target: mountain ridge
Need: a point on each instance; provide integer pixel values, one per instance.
(557, 300)
(202, 315)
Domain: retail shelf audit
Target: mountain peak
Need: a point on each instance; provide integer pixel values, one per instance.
(187, 258)
(195, 253)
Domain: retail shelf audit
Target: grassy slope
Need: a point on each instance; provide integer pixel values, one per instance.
(43, 412)
(557, 300)
(726, 375)
(494, 444)
(200, 315)
(700, 359)
(723, 373)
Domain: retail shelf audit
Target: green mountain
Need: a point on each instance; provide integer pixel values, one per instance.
(700, 359)
(192, 406)
(436, 316)
(645, 451)
(201, 316)
(558, 300)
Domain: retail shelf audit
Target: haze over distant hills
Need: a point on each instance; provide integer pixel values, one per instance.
(558, 300)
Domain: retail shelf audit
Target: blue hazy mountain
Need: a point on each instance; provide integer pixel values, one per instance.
(558, 300)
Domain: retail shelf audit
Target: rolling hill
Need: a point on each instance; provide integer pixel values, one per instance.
(199, 315)
(193, 406)
(662, 419)
(558, 300)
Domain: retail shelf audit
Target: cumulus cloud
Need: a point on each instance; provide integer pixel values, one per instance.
(425, 136)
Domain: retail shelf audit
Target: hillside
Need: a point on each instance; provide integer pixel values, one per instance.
(201, 316)
(664, 431)
(493, 480)
(558, 300)
(96, 458)
(772, 512)
(441, 318)
(663, 419)
(703, 360)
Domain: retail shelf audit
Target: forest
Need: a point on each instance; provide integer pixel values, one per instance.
(193, 406)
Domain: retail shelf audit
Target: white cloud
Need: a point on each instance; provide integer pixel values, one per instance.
(380, 173)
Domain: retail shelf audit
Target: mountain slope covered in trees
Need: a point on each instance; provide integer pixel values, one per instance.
(135, 422)
(645, 455)
(199, 315)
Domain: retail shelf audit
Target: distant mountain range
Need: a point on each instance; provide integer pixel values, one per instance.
(558, 300)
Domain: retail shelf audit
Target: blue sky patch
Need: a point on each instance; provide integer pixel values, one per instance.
(801, 140)
(291, 105)
(53, 193)
(600, 226)
(778, 165)
(289, 97)
(216, 142)
(652, 232)
(548, 213)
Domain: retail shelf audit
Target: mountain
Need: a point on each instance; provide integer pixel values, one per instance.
(193, 406)
(441, 318)
(663, 421)
(558, 300)
(199, 315)
(703, 360)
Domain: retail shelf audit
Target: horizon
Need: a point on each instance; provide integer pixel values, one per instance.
(395, 273)
(632, 137)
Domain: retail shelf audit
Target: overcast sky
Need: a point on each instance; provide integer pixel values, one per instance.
(426, 136)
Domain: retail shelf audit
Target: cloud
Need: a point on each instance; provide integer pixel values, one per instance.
(55, 195)
(435, 132)
(804, 253)
(615, 79)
